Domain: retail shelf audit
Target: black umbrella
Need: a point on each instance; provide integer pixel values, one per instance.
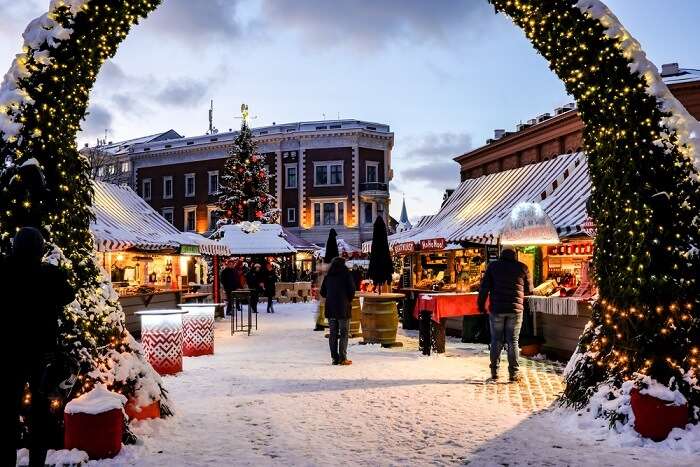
(331, 247)
(381, 267)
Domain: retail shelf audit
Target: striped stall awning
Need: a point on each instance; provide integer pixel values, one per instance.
(207, 246)
(123, 221)
(478, 208)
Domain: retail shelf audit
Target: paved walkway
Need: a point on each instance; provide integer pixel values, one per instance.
(274, 399)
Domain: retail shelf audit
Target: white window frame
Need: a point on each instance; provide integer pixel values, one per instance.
(187, 210)
(374, 212)
(296, 176)
(170, 211)
(369, 164)
(291, 215)
(211, 208)
(172, 187)
(101, 171)
(211, 173)
(188, 177)
(323, 201)
(328, 165)
(125, 166)
(149, 182)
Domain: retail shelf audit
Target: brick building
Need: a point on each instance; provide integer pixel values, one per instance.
(548, 136)
(324, 174)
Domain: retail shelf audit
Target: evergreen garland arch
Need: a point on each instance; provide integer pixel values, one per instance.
(641, 150)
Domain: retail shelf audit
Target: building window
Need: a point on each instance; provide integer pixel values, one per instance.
(213, 216)
(372, 174)
(369, 214)
(291, 215)
(168, 187)
(189, 185)
(329, 212)
(146, 189)
(328, 173)
(290, 176)
(125, 166)
(101, 171)
(380, 211)
(168, 215)
(190, 219)
(213, 182)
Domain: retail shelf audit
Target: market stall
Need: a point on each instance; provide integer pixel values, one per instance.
(474, 218)
(303, 263)
(150, 262)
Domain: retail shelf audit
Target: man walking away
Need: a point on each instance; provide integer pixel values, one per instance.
(338, 289)
(269, 279)
(505, 283)
(256, 286)
(32, 324)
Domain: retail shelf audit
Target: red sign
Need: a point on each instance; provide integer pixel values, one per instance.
(589, 227)
(569, 249)
(433, 244)
(403, 248)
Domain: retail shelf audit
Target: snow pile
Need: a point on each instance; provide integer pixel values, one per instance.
(653, 388)
(42, 30)
(685, 126)
(63, 457)
(97, 401)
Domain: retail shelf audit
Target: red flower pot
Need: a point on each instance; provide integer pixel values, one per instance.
(151, 410)
(655, 418)
(100, 436)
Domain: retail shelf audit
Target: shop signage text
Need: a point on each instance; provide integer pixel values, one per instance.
(403, 248)
(433, 244)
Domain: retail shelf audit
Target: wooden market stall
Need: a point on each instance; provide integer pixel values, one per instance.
(471, 221)
(152, 265)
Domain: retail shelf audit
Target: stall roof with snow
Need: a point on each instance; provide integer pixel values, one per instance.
(478, 209)
(297, 242)
(345, 249)
(123, 221)
(253, 238)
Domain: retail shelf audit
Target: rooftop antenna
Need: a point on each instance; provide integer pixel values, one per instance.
(324, 116)
(212, 129)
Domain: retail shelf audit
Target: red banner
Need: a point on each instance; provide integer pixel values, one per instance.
(433, 244)
(404, 248)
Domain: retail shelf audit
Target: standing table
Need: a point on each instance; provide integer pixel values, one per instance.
(238, 323)
(443, 306)
(198, 328)
(161, 337)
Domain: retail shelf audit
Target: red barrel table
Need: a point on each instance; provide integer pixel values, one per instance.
(198, 328)
(161, 337)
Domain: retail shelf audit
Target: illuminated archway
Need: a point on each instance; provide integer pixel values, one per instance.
(640, 141)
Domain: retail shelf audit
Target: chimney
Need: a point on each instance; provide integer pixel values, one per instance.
(560, 110)
(532, 121)
(670, 69)
(543, 117)
(522, 126)
(498, 134)
(570, 106)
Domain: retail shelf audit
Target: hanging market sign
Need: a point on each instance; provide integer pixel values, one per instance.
(189, 250)
(403, 248)
(589, 227)
(433, 244)
(571, 249)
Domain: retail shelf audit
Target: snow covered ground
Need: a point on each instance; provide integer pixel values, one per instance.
(274, 399)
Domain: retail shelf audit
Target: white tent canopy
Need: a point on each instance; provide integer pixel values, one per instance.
(253, 238)
(477, 211)
(123, 220)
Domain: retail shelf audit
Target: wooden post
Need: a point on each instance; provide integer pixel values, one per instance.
(217, 289)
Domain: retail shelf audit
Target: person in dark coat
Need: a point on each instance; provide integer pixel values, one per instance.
(505, 283)
(256, 286)
(338, 288)
(269, 279)
(35, 294)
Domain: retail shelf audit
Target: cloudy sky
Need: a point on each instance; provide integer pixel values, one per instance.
(442, 73)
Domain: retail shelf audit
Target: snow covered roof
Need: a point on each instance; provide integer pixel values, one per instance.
(298, 242)
(477, 210)
(260, 239)
(344, 248)
(123, 220)
(684, 75)
(121, 147)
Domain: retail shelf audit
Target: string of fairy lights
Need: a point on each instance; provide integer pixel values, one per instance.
(645, 196)
(645, 202)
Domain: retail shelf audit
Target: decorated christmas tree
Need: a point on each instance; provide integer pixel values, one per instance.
(45, 183)
(245, 182)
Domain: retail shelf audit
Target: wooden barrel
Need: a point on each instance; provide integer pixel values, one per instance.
(380, 318)
(355, 318)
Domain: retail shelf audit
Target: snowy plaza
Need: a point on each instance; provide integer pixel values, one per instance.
(273, 398)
